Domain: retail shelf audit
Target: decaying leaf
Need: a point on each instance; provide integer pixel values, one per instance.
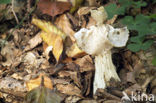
(9, 52)
(84, 10)
(72, 99)
(52, 36)
(9, 83)
(69, 89)
(74, 51)
(85, 63)
(63, 23)
(53, 8)
(43, 95)
(30, 60)
(75, 76)
(34, 83)
(36, 40)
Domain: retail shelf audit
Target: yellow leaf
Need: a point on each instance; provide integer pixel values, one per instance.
(52, 36)
(34, 83)
(74, 51)
(55, 41)
(48, 27)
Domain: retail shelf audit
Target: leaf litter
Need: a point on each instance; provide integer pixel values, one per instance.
(42, 63)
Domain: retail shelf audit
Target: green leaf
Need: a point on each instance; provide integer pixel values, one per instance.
(152, 28)
(134, 47)
(153, 1)
(111, 10)
(127, 20)
(143, 29)
(42, 95)
(153, 16)
(5, 1)
(146, 44)
(137, 39)
(139, 4)
(142, 19)
(154, 61)
(121, 10)
(126, 3)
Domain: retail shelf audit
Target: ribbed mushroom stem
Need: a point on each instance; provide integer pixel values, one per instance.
(104, 70)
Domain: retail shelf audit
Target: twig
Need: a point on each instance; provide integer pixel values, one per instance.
(147, 81)
(14, 12)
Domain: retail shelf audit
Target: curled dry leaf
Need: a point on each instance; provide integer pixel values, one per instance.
(53, 8)
(69, 89)
(34, 83)
(52, 36)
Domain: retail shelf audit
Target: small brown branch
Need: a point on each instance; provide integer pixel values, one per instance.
(12, 8)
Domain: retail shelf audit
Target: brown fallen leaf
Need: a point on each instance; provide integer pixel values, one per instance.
(69, 89)
(34, 83)
(75, 52)
(36, 40)
(74, 75)
(84, 10)
(53, 8)
(10, 52)
(85, 63)
(63, 23)
(72, 99)
(131, 77)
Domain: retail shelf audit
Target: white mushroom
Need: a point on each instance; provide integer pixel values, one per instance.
(98, 41)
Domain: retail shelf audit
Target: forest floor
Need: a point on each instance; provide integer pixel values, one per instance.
(40, 61)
